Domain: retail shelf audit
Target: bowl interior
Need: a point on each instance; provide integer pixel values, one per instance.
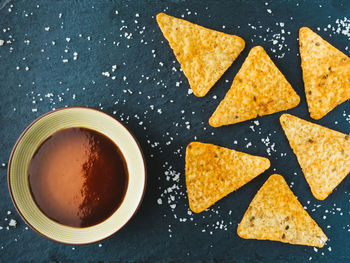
(38, 132)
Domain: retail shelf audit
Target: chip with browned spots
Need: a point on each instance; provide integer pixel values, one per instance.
(213, 172)
(323, 154)
(326, 73)
(204, 54)
(258, 89)
(276, 214)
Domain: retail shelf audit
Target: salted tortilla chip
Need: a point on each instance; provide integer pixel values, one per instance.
(259, 88)
(204, 54)
(213, 172)
(275, 214)
(326, 73)
(323, 154)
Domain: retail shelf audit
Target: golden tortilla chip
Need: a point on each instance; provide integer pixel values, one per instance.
(204, 54)
(323, 154)
(275, 214)
(326, 73)
(259, 88)
(213, 172)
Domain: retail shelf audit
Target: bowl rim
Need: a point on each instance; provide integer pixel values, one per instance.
(20, 138)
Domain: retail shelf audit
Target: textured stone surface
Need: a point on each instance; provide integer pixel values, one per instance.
(153, 101)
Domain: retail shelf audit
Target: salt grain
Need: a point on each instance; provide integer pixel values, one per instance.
(13, 223)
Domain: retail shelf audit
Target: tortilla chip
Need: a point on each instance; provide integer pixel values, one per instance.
(259, 88)
(275, 214)
(204, 54)
(326, 73)
(323, 154)
(213, 172)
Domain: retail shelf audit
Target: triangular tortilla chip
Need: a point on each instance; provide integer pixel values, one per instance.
(326, 73)
(323, 154)
(213, 172)
(259, 88)
(204, 54)
(276, 214)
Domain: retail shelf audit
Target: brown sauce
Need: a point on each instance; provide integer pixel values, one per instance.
(78, 177)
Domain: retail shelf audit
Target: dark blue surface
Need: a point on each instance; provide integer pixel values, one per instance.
(164, 117)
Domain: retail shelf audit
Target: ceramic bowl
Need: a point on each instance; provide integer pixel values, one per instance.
(36, 133)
